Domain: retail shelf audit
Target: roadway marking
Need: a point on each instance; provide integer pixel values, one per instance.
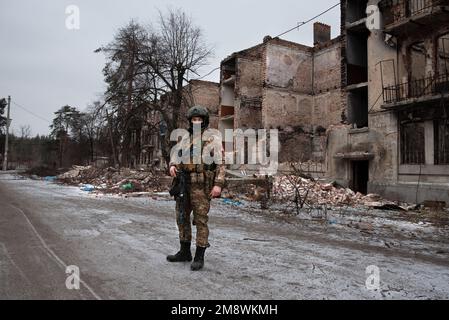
(11, 260)
(51, 252)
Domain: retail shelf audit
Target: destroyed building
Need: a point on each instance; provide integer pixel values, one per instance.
(395, 85)
(283, 85)
(370, 107)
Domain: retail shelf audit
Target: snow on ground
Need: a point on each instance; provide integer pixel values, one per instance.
(120, 245)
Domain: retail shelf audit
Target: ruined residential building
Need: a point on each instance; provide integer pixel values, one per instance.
(395, 86)
(196, 92)
(287, 86)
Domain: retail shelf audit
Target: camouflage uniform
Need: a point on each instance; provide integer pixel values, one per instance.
(202, 180)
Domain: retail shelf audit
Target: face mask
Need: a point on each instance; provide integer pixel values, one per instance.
(203, 127)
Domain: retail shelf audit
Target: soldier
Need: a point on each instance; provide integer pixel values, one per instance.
(205, 182)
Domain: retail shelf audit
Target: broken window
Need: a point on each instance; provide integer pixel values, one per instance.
(412, 143)
(443, 54)
(417, 54)
(358, 107)
(441, 127)
(356, 10)
(357, 58)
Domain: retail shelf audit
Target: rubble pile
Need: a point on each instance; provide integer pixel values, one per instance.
(111, 179)
(285, 188)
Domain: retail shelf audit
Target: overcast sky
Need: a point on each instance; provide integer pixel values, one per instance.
(44, 65)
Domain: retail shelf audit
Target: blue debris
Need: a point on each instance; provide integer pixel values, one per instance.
(88, 188)
(232, 202)
(50, 178)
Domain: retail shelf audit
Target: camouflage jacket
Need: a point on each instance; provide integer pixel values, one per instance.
(212, 175)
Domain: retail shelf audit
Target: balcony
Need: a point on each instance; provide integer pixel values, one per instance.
(408, 16)
(417, 91)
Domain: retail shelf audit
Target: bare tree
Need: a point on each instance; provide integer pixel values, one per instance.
(174, 51)
(91, 127)
(25, 132)
(146, 72)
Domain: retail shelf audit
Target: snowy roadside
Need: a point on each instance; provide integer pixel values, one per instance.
(121, 244)
(409, 231)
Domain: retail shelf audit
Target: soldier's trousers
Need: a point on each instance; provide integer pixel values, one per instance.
(199, 203)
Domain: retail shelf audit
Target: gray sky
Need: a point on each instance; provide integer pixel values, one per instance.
(44, 65)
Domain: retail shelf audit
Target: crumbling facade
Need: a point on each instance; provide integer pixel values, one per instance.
(284, 85)
(395, 84)
(370, 106)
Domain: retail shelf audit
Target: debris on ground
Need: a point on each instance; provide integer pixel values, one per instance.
(284, 190)
(87, 187)
(232, 202)
(112, 180)
(314, 192)
(127, 186)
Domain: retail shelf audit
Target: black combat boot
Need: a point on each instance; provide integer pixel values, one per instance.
(198, 261)
(183, 255)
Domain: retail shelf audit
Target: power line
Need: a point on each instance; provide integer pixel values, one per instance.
(30, 112)
(215, 69)
(210, 72)
(306, 22)
(289, 30)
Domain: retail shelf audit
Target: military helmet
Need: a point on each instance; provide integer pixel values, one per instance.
(199, 111)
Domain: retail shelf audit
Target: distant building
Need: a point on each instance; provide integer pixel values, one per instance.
(196, 92)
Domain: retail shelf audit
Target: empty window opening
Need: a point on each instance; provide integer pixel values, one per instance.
(443, 54)
(418, 60)
(358, 107)
(412, 143)
(356, 10)
(357, 58)
(441, 127)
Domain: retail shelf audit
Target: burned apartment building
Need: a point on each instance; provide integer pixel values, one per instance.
(283, 85)
(196, 92)
(395, 86)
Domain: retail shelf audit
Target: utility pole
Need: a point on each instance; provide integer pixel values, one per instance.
(8, 122)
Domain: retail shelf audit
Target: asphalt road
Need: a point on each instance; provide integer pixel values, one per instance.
(119, 246)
